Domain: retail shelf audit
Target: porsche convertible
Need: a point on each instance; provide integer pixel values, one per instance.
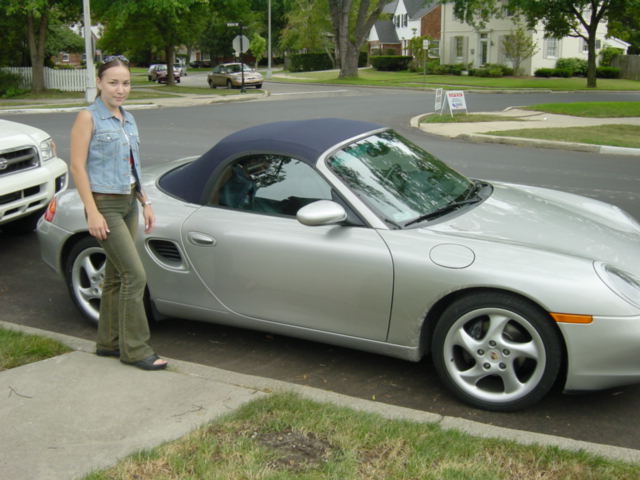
(344, 232)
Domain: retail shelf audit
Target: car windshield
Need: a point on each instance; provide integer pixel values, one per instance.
(235, 68)
(401, 182)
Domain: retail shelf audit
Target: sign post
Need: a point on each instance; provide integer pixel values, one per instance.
(240, 45)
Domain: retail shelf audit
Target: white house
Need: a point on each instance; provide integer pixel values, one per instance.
(464, 43)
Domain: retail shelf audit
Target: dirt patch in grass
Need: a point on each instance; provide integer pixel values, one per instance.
(296, 450)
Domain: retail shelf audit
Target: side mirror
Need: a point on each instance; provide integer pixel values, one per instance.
(322, 212)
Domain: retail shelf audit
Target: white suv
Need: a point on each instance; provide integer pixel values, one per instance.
(30, 175)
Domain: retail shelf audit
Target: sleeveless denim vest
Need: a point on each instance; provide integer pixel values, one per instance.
(108, 164)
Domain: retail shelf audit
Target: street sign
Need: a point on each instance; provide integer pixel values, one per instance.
(425, 44)
(240, 43)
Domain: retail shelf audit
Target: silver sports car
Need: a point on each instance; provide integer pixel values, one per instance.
(343, 232)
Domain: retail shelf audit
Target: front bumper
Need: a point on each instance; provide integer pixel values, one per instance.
(602, 354)
(29, 191)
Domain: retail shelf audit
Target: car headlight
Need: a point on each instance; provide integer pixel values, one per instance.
(47, 149)
(622, 283)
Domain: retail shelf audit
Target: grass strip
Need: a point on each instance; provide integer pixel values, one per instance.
(614, 135)
(466, 118)
(17, 348)
(590, 109)
(285, 437)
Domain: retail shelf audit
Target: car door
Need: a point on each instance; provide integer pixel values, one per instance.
(260, 262)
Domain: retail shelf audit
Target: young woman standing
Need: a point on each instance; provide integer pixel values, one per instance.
(105, 165)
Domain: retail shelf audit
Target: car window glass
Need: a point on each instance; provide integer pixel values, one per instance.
(270, 184)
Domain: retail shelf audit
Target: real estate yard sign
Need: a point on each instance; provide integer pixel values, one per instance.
(456, 101)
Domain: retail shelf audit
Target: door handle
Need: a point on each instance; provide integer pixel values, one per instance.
(201, 239)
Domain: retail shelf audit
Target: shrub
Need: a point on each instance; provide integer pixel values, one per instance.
(607, 54)
(10, 84)
(608, 72)
(489, 70)
(390, 62)
(576, 66)
(309, 62)
(562, 72)
(544, 72)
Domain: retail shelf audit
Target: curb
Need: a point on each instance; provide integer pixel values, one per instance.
(387, 411)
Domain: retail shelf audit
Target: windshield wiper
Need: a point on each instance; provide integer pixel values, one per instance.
(469, 197)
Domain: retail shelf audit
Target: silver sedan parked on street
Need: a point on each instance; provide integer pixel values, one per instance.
(343, 232)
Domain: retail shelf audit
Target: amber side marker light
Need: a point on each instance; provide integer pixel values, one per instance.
(50, 212)
(568, 318)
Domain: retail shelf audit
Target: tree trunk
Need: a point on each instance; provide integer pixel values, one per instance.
(591, 59)
(349, 61)
(36, 36)
(170, 55)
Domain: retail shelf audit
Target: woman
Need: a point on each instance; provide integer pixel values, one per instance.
(105, 165)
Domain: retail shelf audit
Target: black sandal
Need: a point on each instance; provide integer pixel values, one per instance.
(148, 363)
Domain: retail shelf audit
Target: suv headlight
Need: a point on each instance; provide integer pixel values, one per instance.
(47, 149)
(622, 283)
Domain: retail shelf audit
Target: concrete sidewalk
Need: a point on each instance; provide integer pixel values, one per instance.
(516, 119)
(69, 415)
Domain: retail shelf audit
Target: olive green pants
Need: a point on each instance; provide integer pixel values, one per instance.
(123, 322)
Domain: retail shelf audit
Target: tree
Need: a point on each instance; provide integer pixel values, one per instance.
(560, 18)
(352, 21)
(518, 46)
(37, 15)
(165, 24)
(258, 47)
(625, 24)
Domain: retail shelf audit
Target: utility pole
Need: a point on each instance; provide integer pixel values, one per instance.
(90, 90)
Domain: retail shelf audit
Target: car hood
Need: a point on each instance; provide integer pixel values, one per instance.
(18, 134)
(552, 221)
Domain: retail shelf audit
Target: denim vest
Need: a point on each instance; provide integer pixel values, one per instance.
(108, 164)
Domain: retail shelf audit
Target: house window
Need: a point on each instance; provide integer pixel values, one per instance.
(405, 20)
(65, 58)
(459, 47)
(551, 48)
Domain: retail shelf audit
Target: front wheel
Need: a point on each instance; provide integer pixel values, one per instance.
(497, 351)
(84, 274)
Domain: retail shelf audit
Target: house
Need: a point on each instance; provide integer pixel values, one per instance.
(461, 42)
(407, 19)
(464, 43)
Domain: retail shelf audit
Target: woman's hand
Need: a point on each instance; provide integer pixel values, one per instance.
(149, 218)
(98, 227)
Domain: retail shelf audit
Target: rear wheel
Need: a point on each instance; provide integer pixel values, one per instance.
(229, 84)
(497, 351)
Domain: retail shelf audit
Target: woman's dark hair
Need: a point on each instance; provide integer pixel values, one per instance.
(109, 62)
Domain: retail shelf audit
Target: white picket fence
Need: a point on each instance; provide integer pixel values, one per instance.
(65, 80)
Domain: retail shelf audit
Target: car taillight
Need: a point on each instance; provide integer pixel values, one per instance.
(50, 212)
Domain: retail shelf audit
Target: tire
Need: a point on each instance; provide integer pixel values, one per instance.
(258, 86)
(497, 351)
(229, 84)
(212, 84)
(84, 275)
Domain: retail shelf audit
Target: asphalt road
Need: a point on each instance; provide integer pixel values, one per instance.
(32, 295)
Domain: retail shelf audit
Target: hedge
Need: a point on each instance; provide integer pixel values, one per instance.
(390, 62)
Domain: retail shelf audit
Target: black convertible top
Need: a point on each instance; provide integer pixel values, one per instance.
(304, 140)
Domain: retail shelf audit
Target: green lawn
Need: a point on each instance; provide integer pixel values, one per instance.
(285, 437)
(17, 348)
(591, 109)
(369, 76)
(614, 135)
